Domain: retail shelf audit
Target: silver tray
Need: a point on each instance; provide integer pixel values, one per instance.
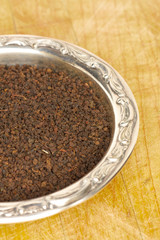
(27, 49)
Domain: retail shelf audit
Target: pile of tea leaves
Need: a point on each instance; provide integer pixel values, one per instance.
(54, 129)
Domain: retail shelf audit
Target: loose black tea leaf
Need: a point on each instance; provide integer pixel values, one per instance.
(54, 129)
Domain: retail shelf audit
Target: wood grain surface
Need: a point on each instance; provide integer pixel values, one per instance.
(125, 33)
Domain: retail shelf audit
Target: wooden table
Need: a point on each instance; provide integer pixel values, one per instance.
(125, 33)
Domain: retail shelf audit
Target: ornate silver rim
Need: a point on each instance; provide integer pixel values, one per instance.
(124, 139)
